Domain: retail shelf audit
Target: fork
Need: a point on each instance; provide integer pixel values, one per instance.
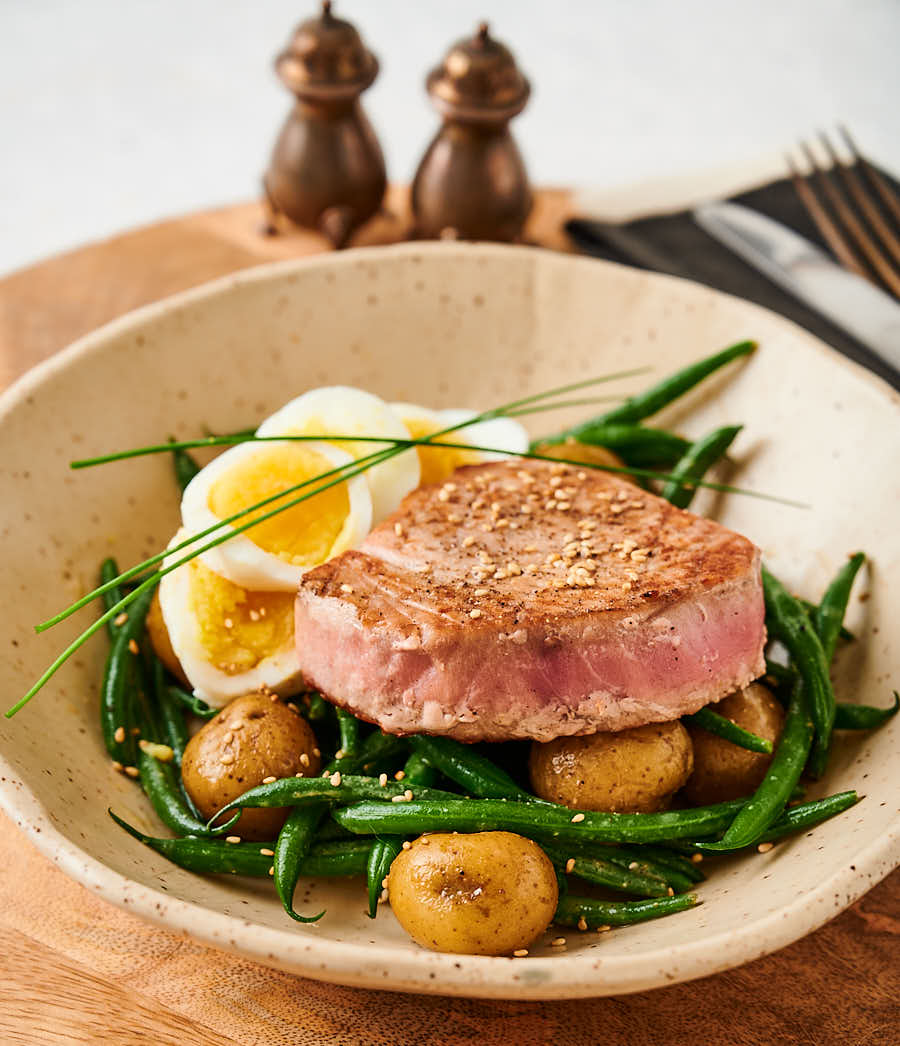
(861, 236)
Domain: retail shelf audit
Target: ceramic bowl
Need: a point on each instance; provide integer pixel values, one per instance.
(447, 325)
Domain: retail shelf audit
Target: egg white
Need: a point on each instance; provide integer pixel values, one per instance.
(340, 410)
(240, 559)
(278, 672)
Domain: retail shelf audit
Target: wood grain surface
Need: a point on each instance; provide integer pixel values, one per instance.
(74, 969)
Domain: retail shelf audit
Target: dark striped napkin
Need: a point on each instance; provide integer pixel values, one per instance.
(674, 244)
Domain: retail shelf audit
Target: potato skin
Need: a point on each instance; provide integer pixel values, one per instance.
(589, 453)
(722, 770)
(629, 771)
(159, 639)
(266, 740)
(489, 893)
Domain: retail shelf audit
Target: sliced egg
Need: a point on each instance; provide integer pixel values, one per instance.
(229, 641)
(272, 555)
(340, 410)
(503, 435)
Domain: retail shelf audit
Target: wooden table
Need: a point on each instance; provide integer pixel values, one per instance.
(75, 969)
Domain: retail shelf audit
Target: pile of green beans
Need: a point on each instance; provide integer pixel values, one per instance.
(377, 791)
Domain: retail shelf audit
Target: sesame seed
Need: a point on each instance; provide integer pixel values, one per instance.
(520, 953)
(316, 753)
(120, 619)
(475, 613)
(479, 592)
(384, 883)
(335, 779)
(398, 529)
(269, 780)
(228, 623)
(452, 517)
(603, 929)
(578, 818)
(262, 611)
(117, 766)
(633, 866)
(272, 697)
(266, 852)
(558, 942)
(570, 864)
(119, 735)
(304, 759)
(232, 838)
(132, 771)
(443, 495)
(764, 848)
(254, 615)
(133, 647)
(582, 924)
(696, 858)
(382, 780)
(163, 753)
(383, 898)
(226, 759)
(407, 795)
(399, 775)
(406, 844)
(398, 799)
(468, 542)
(228, 738)
(339, 754)
(298, 774)
(272, 870)
(626, 586)
(135, 731)
(347, 590)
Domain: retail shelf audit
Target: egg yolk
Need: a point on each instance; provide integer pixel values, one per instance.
(303, 535)
(435, 464)
(237, 628)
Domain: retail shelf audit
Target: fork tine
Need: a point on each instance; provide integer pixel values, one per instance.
(855, 186)
(887, 194)
(852, 224)
(824, 222)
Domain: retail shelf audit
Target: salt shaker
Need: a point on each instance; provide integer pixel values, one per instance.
(471, 182)
(327, 169)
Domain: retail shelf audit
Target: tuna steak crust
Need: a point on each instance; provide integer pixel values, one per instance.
(525, 599)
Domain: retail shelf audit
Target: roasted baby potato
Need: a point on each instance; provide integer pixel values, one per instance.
(629, 771)
(159, 639)
(722, 770)
(490, 893)
(251, 739)
(590, 454)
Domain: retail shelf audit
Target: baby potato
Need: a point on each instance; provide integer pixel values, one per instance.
(159, 639)
(589, 453)
(629, 771)
(251, 739)
(489, 893)
(725, 771)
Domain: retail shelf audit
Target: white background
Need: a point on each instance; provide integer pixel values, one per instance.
(118, 112)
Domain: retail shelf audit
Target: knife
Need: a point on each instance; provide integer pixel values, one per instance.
(807, 272)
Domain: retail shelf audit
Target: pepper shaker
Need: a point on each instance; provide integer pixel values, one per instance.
(471, 182)
(327, 169)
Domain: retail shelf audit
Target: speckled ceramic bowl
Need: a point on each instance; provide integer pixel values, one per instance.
(444, 325)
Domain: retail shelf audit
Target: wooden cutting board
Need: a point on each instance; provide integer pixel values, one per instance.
(74, 969)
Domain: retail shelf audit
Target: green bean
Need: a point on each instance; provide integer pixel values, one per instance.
(781, 675)
(109, 571)
(184, 465)
(631, 858)
(214, 857)
(576, 911)
(717, 724)
(161, 786)
(319, 709)
(418, 771)
(813, 608)
(673, 862)
(453, 813)
(829, 615)
(795, 819)
(174, 730)
(301, 791)
(116, 716)
(637, 445)
(291, 849)
(348, 725)
(375, 751)
(769, 800)
(462, 764)
(194, 705)
(381, 857)
(654, 399)
(696, 461)
(864, 717)
(793, 628)
(606, 873)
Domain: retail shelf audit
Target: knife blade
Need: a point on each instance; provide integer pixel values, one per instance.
(807, 272)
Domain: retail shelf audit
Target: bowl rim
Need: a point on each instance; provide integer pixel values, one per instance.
(413, 969)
